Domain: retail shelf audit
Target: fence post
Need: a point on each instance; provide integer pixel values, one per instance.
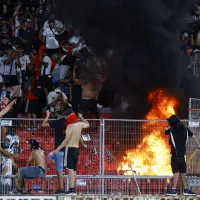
(190, 117)
(102, 152)
(0, 131)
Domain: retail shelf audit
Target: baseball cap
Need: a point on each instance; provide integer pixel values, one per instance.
(72, 118)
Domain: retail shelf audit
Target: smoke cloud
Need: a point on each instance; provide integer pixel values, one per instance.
(143, 33)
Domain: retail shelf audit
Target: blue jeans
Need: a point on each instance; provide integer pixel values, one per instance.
(32, 172)
(58, 160)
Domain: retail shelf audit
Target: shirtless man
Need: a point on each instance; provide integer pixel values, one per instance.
(91, 83)
(29, 172)
(71, 142)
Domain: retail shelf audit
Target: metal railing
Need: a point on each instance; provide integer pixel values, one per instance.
(107, 165)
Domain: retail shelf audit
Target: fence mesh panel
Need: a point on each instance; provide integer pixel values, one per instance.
(113, 148)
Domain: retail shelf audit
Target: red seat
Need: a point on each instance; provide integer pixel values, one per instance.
(24, 134)
(105, 116)
(50, 140)
(24, 146)
(24, 155)
(52, 171)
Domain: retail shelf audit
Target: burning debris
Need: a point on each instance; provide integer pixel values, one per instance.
(151, 157)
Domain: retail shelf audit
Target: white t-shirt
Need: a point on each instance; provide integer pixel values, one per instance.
(61, 70)
(52, 96)
(51, 42)
(46, 59)
(24, 60)
(7, 67)
(57, 24)
(7, 163)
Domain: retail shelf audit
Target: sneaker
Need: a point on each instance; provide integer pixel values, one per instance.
(165, 191)
(171, 192)
(16, 191)
(188, 192)
(70, 192)
(60, 191)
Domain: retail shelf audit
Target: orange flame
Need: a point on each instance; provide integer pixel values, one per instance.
(152, 156)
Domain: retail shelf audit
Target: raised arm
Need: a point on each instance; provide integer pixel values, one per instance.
(85, 123)
(167, 130)
(45, 122)
(6, 153)
(7, 108)
(30, 160)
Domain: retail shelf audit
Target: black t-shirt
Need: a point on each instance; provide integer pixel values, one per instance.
(59, 126)
(69, 60)
(178, 140)
(26, 34)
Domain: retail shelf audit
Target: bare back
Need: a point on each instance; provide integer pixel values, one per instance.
(76, 130)
(90, 91)
(39, 158)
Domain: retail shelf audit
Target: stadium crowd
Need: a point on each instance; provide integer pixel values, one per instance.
(46, 65)
(190, 36)
(44, 62)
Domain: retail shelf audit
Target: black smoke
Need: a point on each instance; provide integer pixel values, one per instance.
(143, 35)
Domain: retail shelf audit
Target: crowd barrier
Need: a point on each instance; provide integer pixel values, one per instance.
(105, 167)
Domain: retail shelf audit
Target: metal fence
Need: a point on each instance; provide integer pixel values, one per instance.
(194, 108)
(194, 63)
(125, 157)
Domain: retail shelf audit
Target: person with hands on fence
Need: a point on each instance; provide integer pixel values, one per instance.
(179, 135)
(2, 113)
(71, 144)
(59, 125)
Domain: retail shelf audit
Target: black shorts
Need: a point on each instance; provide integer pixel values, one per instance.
(45, 82)
(10, 80)
(178, 164)
(52, 51)
(32, 106)
(88, 106)
(71, 158)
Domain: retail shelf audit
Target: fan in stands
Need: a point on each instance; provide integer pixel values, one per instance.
(2, 113)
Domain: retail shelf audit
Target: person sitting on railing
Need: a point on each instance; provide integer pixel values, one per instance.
(29, 172)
